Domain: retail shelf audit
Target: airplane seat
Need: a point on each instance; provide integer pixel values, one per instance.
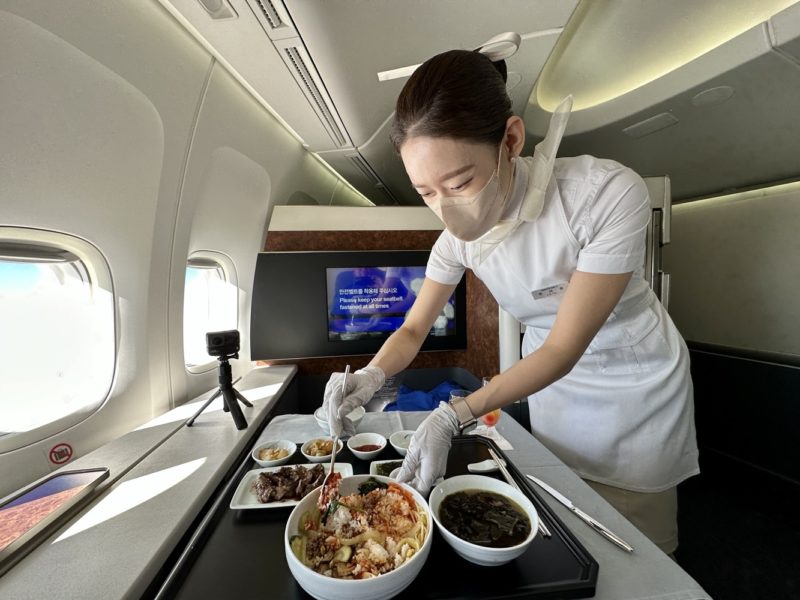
(658, 235)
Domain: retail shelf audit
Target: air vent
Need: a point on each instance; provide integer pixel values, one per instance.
(713, 96)
(651, 125)
(318, 99)
(364, 167)
(270, 14)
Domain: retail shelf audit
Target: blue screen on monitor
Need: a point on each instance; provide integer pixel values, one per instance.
(365, 302)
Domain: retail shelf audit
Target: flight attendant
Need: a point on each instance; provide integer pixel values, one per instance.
(560, 243)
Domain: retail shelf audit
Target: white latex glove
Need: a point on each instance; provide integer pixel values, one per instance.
(426, 459)
(361, 386)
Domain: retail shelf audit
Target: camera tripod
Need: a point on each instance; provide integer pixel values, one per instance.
(230, 395)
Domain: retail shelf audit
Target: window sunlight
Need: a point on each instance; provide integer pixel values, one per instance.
(210, 304)
(57, 350)
(130, 494)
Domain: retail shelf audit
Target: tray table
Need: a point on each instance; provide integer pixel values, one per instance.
(242, 555)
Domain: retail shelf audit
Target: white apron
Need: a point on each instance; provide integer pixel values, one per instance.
(624, 415)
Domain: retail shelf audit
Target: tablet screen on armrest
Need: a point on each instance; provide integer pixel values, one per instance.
(42, 502)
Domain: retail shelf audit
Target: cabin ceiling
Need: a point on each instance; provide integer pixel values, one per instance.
(726, 119)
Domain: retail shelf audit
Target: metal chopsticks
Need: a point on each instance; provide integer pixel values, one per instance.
(500, 463)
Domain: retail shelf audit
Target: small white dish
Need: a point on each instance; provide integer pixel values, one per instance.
(321, 458)
(484, 466)
(400, 440)
(483, 555)
(355, 416)
(366, 439)
(287, 445)
(244, 498)
(375, 464)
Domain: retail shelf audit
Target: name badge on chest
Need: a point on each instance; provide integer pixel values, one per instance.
(548, 292)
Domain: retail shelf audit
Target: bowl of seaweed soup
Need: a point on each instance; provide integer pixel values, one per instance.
(484, 518)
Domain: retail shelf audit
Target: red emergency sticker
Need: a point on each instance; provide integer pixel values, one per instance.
(60, 453)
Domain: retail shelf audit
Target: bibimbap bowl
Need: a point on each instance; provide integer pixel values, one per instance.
(378, 587)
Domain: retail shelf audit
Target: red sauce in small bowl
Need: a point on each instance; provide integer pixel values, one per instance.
(367, 448)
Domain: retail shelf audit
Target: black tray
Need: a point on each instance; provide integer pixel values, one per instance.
(242, 556)
(555, 567)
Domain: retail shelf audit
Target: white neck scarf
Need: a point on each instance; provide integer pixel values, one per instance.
(539, 174)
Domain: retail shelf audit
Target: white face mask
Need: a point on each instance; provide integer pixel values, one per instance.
(470, 217)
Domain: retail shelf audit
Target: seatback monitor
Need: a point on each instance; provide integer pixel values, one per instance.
(309, 304)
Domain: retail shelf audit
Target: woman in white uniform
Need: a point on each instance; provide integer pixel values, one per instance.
(560, 243)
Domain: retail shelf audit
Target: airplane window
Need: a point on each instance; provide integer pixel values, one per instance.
(210, 303)
(57, 322)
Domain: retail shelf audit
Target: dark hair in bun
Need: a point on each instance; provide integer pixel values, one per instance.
(458, 94)
(500, 65)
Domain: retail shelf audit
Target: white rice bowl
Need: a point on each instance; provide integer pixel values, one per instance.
(355, 416)
(380, 587)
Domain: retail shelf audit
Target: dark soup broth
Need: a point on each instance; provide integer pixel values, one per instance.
(484, 518)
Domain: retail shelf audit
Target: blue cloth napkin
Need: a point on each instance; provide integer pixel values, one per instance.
(411, 400)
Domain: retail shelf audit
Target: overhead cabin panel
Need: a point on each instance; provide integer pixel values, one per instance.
(735, 130)
(316, 64)
(262, 47)
(784, 33)
(380, 154)
(353, 166)
(350, 42)
(725, 120)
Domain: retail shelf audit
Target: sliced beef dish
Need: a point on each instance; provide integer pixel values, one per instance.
(288, 483)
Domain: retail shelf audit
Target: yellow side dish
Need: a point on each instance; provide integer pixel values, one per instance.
(319, 447)
(272, 453)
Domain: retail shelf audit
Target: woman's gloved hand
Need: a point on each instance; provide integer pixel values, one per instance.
(426, 459)
(361, 386)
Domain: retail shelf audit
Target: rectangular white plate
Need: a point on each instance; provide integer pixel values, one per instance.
(373, 466)
(245, 498)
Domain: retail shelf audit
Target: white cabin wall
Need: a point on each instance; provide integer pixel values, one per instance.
(242, 162)
(111, 116)
(735, 265)
(96, 123)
